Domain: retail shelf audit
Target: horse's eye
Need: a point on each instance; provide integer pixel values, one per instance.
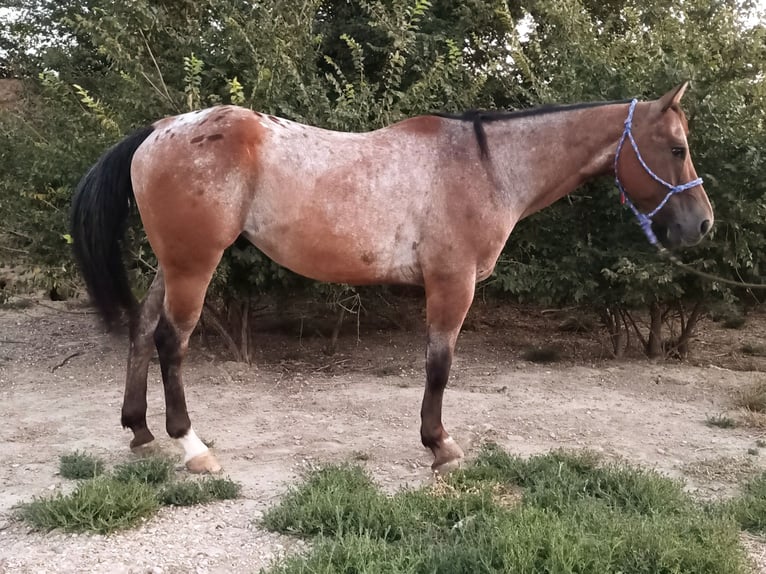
(679, 152)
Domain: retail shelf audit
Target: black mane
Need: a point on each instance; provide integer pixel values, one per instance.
(480, 117)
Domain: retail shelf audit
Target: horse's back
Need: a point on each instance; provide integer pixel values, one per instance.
(335, 206)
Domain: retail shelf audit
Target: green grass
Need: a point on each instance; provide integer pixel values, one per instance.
(119, 500)
(154, 470)
(749, 509)
(559, 513)
(100, 505)
(221, 488)
(80, 465)
(188, 493)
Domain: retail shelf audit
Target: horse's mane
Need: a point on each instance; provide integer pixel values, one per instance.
(480, 117)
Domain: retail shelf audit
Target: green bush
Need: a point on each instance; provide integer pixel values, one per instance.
(106, 67)
(100, 505)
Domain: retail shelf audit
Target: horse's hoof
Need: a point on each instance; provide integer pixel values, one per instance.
(448, 456)
(142, 438)
(203, 463)
(443, 468)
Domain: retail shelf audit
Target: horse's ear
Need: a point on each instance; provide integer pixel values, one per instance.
(673, 97)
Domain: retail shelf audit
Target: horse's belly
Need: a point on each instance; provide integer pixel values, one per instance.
(324, 255)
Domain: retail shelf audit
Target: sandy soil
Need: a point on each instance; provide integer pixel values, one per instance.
(61, 389)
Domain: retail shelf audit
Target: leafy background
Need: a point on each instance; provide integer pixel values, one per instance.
(93, 70)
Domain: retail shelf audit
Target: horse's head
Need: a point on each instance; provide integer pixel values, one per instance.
(654, 168)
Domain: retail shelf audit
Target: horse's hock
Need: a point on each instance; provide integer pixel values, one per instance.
(10, 93)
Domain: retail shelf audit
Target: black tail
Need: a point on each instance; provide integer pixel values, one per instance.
(98, 220)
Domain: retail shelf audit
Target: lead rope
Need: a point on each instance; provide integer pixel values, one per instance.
(645, 219)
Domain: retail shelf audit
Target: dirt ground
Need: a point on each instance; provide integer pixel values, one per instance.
(61, 382)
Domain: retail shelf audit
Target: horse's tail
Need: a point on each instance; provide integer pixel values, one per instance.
(98, 221)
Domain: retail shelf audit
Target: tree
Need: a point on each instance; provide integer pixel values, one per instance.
(98, 68)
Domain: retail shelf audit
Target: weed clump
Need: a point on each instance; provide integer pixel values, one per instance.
(153, 471)
(109, 502)
(99, 505)
(79, 465)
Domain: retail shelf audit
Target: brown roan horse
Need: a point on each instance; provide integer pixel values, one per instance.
(428, 201)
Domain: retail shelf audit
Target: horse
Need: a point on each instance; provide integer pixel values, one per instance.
(428, 201)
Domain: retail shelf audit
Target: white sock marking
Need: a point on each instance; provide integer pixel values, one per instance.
(192, 445)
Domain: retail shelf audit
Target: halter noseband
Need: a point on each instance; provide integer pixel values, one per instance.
(645, 219)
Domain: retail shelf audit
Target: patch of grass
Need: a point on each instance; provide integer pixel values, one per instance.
(154, 470)
(184, 493)
(749, 509)
(720, 421)
(192, 492)
(752, 397)
(568, 513)
(221, 488)
(80, 465)
(107, 503)
(546, 354)
(100, 505)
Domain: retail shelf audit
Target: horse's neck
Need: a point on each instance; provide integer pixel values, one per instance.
(541, 158)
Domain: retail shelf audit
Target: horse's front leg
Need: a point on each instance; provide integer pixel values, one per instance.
(447, 302)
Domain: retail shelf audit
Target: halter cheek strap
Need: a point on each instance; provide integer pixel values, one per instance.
(645, 219)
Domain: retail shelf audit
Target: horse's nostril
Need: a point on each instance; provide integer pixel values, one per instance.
(705, 226)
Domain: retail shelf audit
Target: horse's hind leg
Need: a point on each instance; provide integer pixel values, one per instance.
(141, 347)
(447, 302)
(184, 296)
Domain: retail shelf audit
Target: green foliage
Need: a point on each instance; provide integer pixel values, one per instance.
(80, 465)
(96, 69)
(185, 493)
(552, 513)
(221, 488)
(749, 509)
(154, 470)
(100, 505)
(115, 501)
(188, 493)
(576, 51)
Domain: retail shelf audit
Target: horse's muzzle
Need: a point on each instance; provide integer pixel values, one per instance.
(677, 235)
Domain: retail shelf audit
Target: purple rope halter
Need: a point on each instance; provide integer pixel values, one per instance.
(645, 219)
